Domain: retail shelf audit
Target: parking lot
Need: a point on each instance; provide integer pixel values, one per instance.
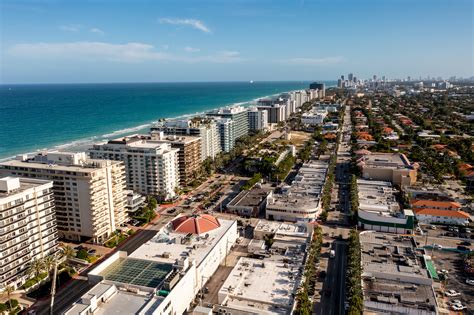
(451, 262)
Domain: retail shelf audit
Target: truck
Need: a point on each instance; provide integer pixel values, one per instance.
(332, 253)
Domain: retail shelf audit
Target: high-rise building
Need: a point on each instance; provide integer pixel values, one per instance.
(203, 127)
(89, 194)
(320, 87)
(28, 227)
(189, 153)
(258, 119)
(350, 77)
(240, 126)
(339, 83)
(151, 168)
(226, 133)
(375, 77)
(276, 112)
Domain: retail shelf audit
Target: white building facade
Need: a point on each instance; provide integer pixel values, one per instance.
(89, 194)
(151, 168)
(27, 227)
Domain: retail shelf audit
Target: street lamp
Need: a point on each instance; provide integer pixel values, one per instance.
(53, 282)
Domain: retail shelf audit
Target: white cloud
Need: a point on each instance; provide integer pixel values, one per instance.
(97, 31)
(102, 51)
(191, 49)
(316, 61)
(71, 27)
(197, 24)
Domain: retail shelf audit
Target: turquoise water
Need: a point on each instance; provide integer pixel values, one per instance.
(72, 116)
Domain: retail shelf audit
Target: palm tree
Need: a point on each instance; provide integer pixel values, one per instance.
(9, 290)
(36, 267)
(49, 263)
(68, 251)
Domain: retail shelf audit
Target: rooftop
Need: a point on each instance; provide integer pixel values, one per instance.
(262, 286)
(195, 224)
(377, 196)
(385, 160)
(10, 186)
(138, 272)
(249, 198)
(169, 246)
(394, 274)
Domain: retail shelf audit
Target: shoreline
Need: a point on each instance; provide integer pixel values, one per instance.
(84, 143)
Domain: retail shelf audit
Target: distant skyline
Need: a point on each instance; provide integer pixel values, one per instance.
(54, 41)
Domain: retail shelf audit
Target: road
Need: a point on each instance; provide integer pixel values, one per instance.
(333, 296)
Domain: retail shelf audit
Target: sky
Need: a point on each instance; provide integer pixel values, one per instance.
(53, 41)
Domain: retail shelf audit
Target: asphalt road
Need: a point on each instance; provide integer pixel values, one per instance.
(333, 296)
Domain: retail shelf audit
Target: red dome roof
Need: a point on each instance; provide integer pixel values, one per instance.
(196, 224)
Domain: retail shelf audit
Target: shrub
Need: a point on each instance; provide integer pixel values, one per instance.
(82, 254)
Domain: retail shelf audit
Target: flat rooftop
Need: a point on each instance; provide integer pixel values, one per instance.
(168, 246)
(262, 286)
(281, 228)
(250, 198)
(137, 272)
(25, 184)
(377, 196)
(394, 274)
(386, 160)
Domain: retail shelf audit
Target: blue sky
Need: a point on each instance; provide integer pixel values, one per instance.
(45, 41)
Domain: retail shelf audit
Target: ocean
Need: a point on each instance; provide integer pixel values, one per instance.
(73, 116)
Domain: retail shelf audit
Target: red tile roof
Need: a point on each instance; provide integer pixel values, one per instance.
(195, 224)
(444, 213)
(423, 203)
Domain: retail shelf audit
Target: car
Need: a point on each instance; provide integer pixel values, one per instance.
(452, 302)
(463, 248)
(452, 293)
(465, 243)
(458, 307)
(470, 281)
(437, 246)
(91, 251)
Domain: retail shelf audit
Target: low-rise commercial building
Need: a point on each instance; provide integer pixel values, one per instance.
(302, 200)
(450, 217)
(392, 167)
(88, 194)
(27, 227)
(397, 277)
(380, 211)
(267, 285)
(164, 275)
(151, 167)
(250, 203)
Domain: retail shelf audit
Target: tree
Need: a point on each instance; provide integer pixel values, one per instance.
(68, 251)
(36, 267)
(9, 290)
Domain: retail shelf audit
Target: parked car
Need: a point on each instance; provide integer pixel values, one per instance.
(91, 251)
(463, 248)
(470, 281)
(437, 246)
(465, 243)
(458, 307)
(452, 293)
(452, 302)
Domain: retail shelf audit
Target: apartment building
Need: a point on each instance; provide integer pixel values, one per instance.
(276, 112)
(89, 194)
(203, 127)
(151, 167)
(27, 226)
(189, 153)
(258, 119)
(226, 133)
(238, 115)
